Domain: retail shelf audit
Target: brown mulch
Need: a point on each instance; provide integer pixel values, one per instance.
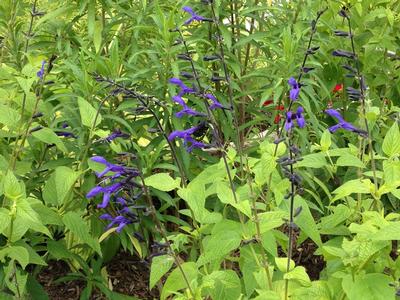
(128, 274)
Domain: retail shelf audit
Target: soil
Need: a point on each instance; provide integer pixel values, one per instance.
(128, 274)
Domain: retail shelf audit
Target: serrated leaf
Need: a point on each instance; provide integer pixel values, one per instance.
(46, 135)
(364, 186)
(175, 280)
(59, 185)
(18, 253)
(78, 227)
(162, 181)
(160, 265)
(223, 285)
(391, 143)
(88, 113)
(300, 275)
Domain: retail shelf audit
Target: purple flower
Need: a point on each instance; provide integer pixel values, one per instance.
(297, 116)
(94, 192)
(121, 221)
(116, 134)
(186, 109)
(109, 166)
(65, 134)
(295, 90)
(195, 17)
(300, 118)
(40, 73)
(184, 88)
(187, 138)
(342, 124)
(215, 104)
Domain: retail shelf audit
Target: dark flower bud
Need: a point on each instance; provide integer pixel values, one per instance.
(342, 33)
(184, 56)
(349, 68)
(37, 128)
(307, 69)
(350, 75)
(287, 196)
(343, 12)
(363, 84)
(176, 29)
(211, 57)
(343, 53)
(35, 13)
(277, 141)
(353, 93)
(37, 115)
(215, 78)
(313, 25)
(312, 50)
(298, 211)
(177, 42)
(187, 75)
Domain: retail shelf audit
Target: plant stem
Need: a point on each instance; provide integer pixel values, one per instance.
(164, 235)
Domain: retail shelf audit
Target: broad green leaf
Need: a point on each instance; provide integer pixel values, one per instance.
(391, 143)
(314, 160)
(306, 221)
(373, 286)
(162, 182)
(18, 253)
(12, 188)
(9, 116)
(264, 168)
(159, 266)
(281, 263)
(272, 219)
(300, 275)
(78, 227)
(5, 219)
(59, 185)
(26, 219)
(388, 232)
(223, 285)
(88, 113)
(363, 186)
(46, 135)
(176, 281)
(218, 245)
(349, 160)
(326, 140)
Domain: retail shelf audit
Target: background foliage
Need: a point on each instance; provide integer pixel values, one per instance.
(99, 53)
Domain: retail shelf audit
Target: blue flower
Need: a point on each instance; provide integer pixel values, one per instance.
(295, 90)
(184, 88)
(215, 104)
(186, 109)
(186, 135)
(194, 16)
(121, 221)
(116, 134)
(40, 73)
(342, 124)
(297, 116)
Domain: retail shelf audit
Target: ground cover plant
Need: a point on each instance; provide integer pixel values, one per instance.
(205, 149)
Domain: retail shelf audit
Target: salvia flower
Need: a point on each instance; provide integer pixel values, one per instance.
(194, 16)
(297, 117)
(215, 104)
(40, 73)
(184, 88)
(120, 189)
(343, 53)
(116, 134)
(342, 124)
(186, 110)
(186, 135)
(295, 89)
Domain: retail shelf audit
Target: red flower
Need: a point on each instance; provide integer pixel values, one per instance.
(277, 119)
(280, 107)
(338, 88)
(268, 102)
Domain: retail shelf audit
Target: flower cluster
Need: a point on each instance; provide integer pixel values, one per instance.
(295, 89)
(297, 116)
(277, 108)
(117, 186)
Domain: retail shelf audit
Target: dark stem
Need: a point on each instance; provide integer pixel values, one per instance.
(162, 231)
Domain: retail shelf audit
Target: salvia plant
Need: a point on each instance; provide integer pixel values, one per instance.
(199, 149)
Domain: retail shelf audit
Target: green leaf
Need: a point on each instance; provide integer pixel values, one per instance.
(306, 222)
(162, 181)
(364, 186)
(326, 141)
(373, 286)
(9, 116)
(97, 35)
(18, 253)
(223, 285)
(314, 160)
(12, 188)
(78, 227)
(271, 219)
(88, 113)
(281, 263)
(46, 135)
(5, 219)
(176, 281)
(391, 143)
(218, 245)
(299, 275)
(349, 160)
(264, 168)
(59, 185)
(159, 266)
(388, 232)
